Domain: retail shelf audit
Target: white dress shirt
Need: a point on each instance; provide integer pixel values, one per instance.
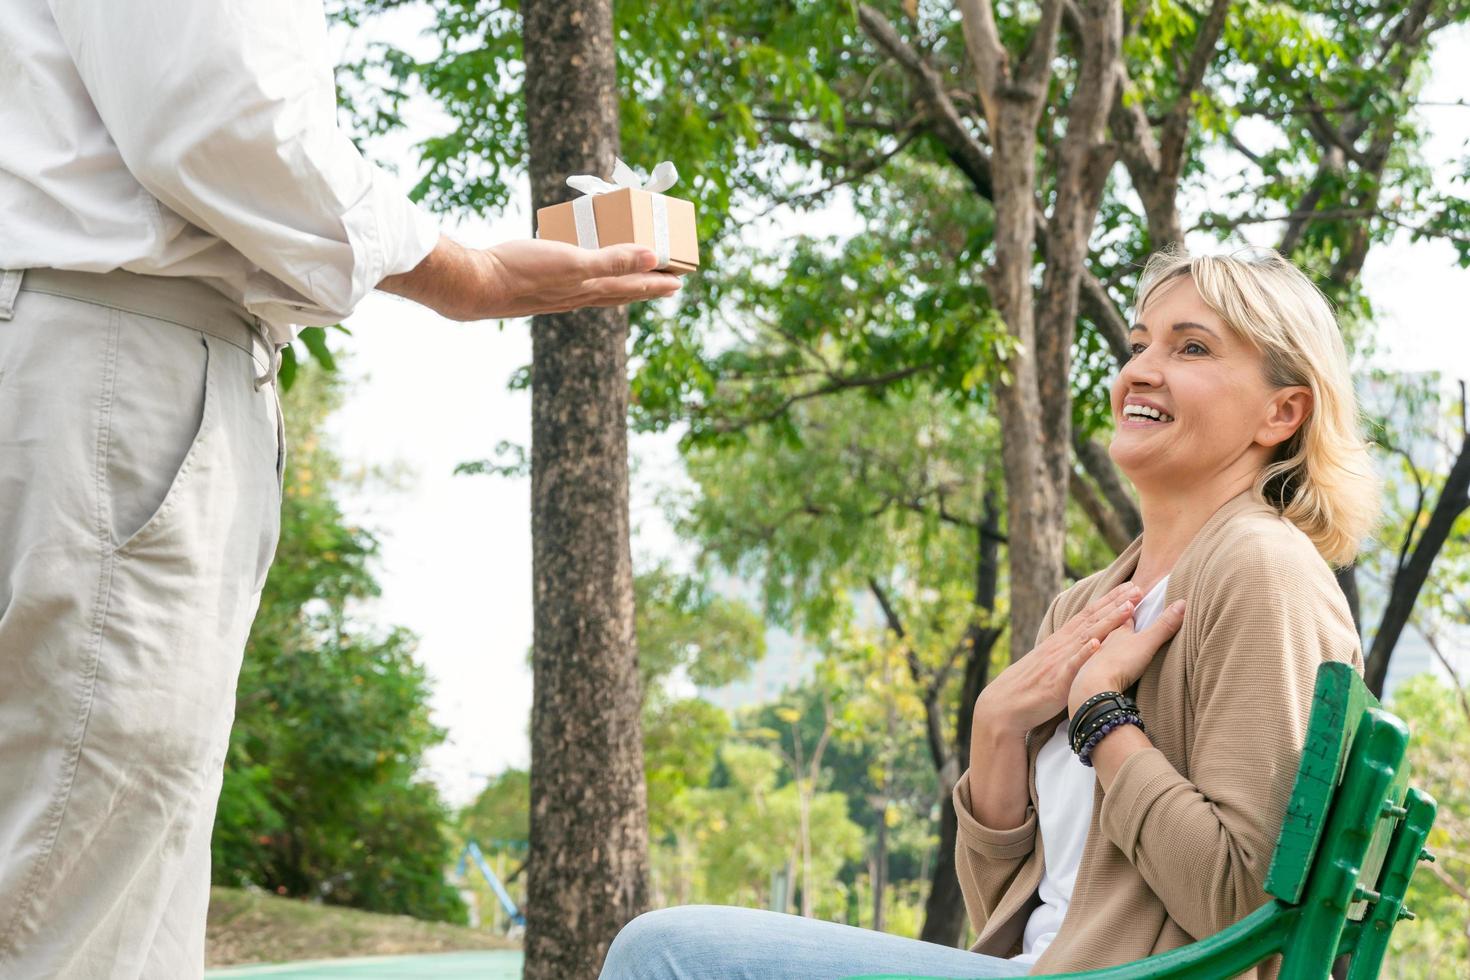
(194, 138)
(1064, 791)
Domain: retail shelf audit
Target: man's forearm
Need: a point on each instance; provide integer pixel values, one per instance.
(449, 280)
(523, 278)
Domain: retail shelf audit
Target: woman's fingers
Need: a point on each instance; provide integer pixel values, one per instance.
(1110, 619)
(1088, 648)
(1118, 594)
(1102, 606)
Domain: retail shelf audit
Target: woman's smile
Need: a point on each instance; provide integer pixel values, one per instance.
(1142, 422)
(1140, 413)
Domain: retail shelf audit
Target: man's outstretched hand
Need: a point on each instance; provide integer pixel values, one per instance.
(525, 277)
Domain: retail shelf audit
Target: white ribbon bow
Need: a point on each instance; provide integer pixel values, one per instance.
(663, 177)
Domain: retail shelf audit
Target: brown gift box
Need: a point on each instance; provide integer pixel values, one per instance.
(626, 215)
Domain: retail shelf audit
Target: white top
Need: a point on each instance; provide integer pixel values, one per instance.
(194, 138)
(1064, 791)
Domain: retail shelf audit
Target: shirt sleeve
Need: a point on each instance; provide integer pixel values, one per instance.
(987, 860)
(1204, 844)
(225, 111)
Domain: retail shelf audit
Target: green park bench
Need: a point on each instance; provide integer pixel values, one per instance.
(1353, 835)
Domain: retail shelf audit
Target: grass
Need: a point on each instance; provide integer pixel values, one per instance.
(257, 927)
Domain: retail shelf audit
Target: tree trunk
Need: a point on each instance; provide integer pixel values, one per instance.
(1347, 580)
(1036, 505)
(944, 910)
(588, 864)
(880, 868)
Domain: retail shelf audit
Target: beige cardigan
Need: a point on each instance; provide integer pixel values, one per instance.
(1179, 847)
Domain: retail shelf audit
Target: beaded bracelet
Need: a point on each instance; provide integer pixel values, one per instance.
(1094, 718)
(1091, 710)
(1087, 720)
(1095, 721)
(1085, 756)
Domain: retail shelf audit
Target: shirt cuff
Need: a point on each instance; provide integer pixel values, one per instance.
(1139, 782)
(987, 841)
(386, 233)
(398, 233)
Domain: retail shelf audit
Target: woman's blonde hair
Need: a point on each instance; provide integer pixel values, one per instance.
(1321, 479)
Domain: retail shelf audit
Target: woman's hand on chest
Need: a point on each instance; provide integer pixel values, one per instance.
(1123, 656)
(1034, 688)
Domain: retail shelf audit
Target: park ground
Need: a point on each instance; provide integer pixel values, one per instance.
(252, 928)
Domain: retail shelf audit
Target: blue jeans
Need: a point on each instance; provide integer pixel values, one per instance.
(712, 942)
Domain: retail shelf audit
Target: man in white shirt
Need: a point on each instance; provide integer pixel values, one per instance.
(174, 196)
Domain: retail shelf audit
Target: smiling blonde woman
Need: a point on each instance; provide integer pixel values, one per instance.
(1129, 774)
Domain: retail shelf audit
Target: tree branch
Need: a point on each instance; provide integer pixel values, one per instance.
(1175, 130)
(972, 160)
(988, 56)
(838, 383)
(1099, 513)
(933, 712)
(1454, 498)
(966, 151)
(1099, 465)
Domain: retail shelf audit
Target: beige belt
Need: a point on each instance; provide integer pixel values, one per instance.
(186, 302)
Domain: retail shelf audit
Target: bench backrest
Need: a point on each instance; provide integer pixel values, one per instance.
(1354, 830)
(1338, 704)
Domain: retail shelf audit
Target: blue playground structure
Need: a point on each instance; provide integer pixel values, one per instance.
(472, 850)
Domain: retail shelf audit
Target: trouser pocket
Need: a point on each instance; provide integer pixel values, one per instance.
(158, 423)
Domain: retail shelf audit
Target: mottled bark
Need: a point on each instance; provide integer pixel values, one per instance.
(1154, 155)
(1033, 403)
(588, 864)
(1094, 458)
(1347, 580)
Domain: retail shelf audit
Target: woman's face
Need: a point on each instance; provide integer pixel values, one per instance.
(1221, 420)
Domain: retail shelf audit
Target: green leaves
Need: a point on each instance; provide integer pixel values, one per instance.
(321, 793)
(1439, 727)
(314, 339)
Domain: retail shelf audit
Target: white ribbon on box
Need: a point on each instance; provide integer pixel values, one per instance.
(664, 176)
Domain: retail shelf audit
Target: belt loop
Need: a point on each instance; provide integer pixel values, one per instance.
(9, 286)
(273, 354)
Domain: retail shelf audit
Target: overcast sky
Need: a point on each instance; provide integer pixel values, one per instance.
(456, 568)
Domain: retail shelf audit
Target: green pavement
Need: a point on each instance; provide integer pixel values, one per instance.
(502, 964)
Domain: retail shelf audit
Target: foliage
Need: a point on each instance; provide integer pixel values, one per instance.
(1439, 727)
(321, 794)
(686, 634)
(749, 828)
(501, 814)
(836, 387)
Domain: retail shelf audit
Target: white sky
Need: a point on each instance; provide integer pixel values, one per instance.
(456, 568)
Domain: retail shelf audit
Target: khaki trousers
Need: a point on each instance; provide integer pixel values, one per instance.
(140, 460)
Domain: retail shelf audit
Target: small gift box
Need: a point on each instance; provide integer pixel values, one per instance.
(626, 209)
